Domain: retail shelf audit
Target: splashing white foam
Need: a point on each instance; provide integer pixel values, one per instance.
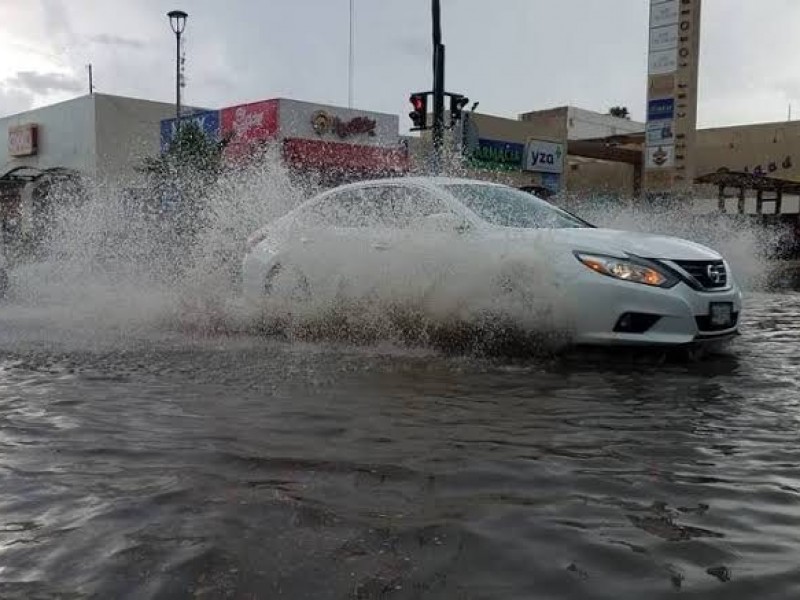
(113, 271)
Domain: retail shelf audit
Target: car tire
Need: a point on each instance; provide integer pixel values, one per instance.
(297, 283)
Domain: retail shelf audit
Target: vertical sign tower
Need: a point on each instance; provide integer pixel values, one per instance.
(673, 58)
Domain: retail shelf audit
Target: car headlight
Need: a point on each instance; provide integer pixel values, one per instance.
(634, 270)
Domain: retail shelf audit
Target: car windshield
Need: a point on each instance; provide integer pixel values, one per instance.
(507, 207)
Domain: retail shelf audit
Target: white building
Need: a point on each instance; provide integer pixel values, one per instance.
(575, 123)
(96, 135)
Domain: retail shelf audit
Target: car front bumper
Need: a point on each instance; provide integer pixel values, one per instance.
(684, 313)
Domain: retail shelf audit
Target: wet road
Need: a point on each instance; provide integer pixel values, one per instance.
(243, 467)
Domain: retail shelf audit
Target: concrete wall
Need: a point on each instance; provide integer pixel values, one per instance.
(552, 122)
(588, 176)
(586, 124)
(748, 146)
(65, 136)
(127, 130)
(569, 122)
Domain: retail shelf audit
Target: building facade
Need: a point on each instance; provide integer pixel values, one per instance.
(329, 143)
(98, 135)
(532, 151)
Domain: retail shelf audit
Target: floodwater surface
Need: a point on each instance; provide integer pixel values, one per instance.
(238, 466)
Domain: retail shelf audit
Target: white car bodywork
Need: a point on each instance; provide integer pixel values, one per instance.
(701, 303)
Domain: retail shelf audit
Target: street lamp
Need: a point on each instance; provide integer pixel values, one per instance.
(177, 20)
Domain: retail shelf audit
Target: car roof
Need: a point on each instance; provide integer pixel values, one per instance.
(419, 180)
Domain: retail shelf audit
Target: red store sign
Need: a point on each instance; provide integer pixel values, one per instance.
(248, 125)
(22, 140)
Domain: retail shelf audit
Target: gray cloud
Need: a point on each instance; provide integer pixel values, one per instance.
(56, 21)
(416, 47)
(43, 83)
(105, 39)
(513, 56)
(15, 101)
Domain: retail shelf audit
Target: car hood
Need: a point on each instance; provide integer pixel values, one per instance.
(621, 243)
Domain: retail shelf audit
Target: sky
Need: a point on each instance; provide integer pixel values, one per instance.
(512, 56)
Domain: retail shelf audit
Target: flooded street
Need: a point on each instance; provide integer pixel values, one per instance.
(250, 467)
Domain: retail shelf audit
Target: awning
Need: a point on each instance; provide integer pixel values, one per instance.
(738, 179)
(318, 154)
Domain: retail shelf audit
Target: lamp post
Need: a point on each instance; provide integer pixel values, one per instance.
(177, 20)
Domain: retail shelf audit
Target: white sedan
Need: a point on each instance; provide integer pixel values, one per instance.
(606, 287)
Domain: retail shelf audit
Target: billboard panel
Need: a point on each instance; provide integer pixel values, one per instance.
(664, 38)
(497, 155)
(672, 93)
(664, 13)
(208, 121)
(544, 157)
(22, 140)
(660, 157)
(310, 121)
(665, 61)
(249, 123)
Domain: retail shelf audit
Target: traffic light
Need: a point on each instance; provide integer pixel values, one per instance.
(419, 114)
(457, 104)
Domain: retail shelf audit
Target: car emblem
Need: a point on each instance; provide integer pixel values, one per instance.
(716, 273)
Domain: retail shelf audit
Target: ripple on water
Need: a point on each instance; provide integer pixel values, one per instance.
(245, 467)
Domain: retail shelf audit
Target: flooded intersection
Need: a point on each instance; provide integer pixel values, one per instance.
(244, 466)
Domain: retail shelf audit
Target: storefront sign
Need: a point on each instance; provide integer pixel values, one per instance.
(664, 12)
(248, 126)
(319, 122)
(769, 167)
(664, 38)
(250, 122)
(661, 86)
(660, 132)
(494, 154)
(661, 109)
(207, 121)
(660, 157)
(319, 154)
(545, 157)
(23, 140)
(322, 122)
(665, 61)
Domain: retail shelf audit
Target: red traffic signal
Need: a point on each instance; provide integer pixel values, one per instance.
(419, 114)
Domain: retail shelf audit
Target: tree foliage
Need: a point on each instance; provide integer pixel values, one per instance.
(191, 150)
(620, 111)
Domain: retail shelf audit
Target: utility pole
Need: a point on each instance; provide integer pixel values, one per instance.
(91, 86)
(350, 56)
(438, 86)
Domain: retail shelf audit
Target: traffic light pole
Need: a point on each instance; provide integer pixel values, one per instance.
(438, 87)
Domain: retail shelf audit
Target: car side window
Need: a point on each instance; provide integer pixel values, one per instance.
(389, 206)
(398, 206)
(341, 209)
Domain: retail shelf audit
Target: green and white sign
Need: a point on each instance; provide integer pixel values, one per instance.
(544, 157)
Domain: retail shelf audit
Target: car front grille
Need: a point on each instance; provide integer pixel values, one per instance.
(710, 274)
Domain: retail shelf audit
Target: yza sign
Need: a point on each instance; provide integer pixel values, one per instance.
(544, 157)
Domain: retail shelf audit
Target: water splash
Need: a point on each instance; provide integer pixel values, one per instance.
(114, 268)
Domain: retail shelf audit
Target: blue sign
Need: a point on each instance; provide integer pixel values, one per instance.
(551, 181)
(663, 108)
(207, 121)
(498, 155)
